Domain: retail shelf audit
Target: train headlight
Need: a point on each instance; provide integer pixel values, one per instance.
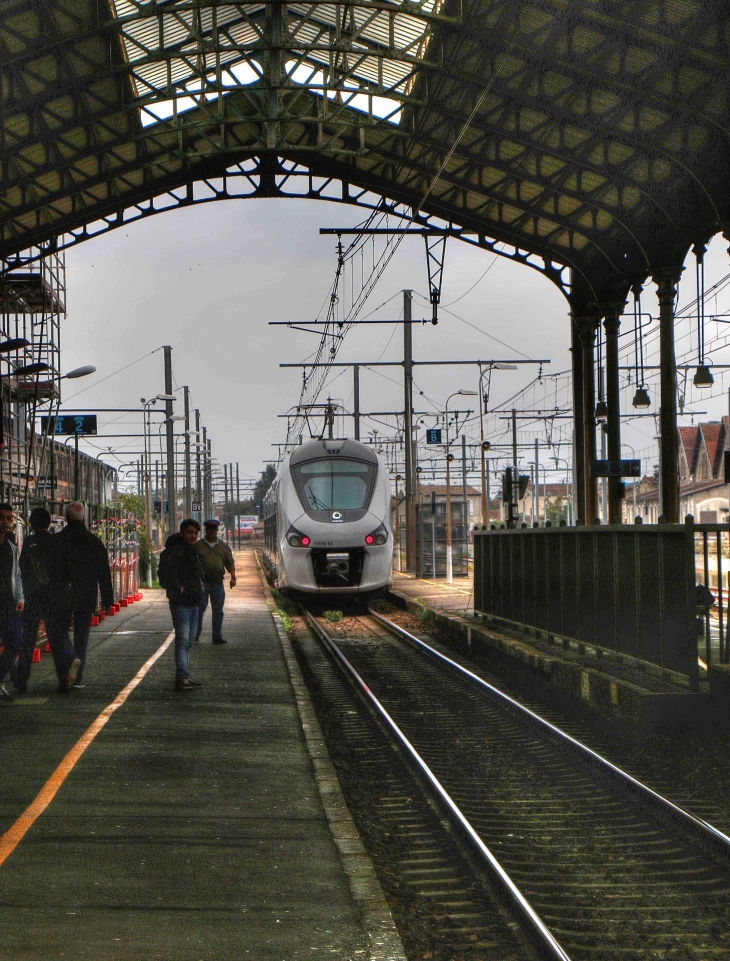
(377, 538)
(295, 538)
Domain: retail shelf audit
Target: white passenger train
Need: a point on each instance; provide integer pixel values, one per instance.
(327, 528)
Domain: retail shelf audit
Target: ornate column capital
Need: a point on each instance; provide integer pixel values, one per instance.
(666, 279)
(611, 311)
(587, 327)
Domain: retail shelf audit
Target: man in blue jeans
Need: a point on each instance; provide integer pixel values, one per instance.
(215, 559)
(184, 587)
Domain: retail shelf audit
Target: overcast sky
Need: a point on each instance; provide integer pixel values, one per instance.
(208, 279)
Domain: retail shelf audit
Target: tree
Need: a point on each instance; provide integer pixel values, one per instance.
(262, 486)
(556, 510)
(132, 504)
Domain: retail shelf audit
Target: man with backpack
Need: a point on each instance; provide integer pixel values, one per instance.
(46, 577)
(179, 573)
(90, 574)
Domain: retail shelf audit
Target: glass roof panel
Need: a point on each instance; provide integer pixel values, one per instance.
(366, 52)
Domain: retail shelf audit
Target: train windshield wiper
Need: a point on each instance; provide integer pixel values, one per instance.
(317, 504)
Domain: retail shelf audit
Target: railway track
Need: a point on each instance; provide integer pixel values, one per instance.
(593, 863)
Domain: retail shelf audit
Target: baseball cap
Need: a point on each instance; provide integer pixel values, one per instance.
(213, 522)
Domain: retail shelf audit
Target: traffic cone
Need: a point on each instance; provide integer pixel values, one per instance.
(131, 599)
(94, 620)
(139, 596)
(36, 659)
(47, 648)
(102, 615)
(123, 602)
(117, 607)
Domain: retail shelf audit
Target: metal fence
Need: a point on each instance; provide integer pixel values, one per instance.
(120, 533)
(625, 589)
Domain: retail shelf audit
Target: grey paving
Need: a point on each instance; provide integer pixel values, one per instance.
(192, 828)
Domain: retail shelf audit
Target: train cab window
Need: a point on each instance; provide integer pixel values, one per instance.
(334, 485)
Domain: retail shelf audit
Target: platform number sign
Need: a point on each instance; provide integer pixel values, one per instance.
(433, 435)
(197, 507)
(69, 424)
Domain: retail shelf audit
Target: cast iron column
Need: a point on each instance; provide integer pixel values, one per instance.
(579, 480)
(612, 313)
(587, 329)
(666, 279)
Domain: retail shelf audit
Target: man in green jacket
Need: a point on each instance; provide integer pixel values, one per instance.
(215, 559)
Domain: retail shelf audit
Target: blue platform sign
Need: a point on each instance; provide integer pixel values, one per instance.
(616, 468)
(69, 424)
(433, 435)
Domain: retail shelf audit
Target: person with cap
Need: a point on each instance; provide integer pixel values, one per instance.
(215, 559)
(46, 575)
(12, 599)
(90, 575)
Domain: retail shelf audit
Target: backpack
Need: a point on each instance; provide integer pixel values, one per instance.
(37, 565)
(163, 566)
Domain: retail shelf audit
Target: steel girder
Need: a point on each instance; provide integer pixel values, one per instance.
(593, 134)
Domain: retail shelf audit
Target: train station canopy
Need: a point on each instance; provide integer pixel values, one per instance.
(583, 134)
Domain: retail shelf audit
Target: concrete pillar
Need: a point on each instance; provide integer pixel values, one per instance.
(587, 327)
(612, 312)
(666, 279)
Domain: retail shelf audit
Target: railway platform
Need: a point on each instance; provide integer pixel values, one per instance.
(142, 822)
(613, 686)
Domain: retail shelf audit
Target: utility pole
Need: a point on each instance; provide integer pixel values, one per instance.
(171, 488)
(356, 398)
(463, 487)
(198, 485)
(188, 479)
(536, 513)
(238, 505)
(204, 484)
(225, 490)
(76, 467)
(408, 430)
(514, 504)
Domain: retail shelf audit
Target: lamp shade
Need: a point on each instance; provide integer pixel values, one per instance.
(15, 343)
(703, 377)
(641, 398)
(601, 411)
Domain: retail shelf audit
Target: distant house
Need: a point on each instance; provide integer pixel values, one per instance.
(702, 488)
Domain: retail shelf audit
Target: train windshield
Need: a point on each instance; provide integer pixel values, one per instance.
(335, 485)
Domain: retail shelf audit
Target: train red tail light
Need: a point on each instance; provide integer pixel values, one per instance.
(377, 538)
(295, 538)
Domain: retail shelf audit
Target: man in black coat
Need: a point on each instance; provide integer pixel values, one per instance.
(90, 574)
(46, 577)
(184, 587)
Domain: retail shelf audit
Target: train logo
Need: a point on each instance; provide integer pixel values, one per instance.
(337, 517)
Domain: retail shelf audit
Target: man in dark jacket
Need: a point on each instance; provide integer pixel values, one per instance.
(184, 587)
(90, 574)
(46, 577)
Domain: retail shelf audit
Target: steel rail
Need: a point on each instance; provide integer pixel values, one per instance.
(702, 830)
(531, 921)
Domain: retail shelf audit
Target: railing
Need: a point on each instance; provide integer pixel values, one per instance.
(712, 567)
(630, 590)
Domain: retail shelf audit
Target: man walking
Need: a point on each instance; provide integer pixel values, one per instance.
(11, 599)
(89, 564)
(46, 577)
(184, 587)
(215, 559)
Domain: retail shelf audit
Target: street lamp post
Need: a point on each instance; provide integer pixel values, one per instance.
(483, 402)
(568, 488)
(449, 459)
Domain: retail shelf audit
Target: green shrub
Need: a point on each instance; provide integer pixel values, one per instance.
(332, 616)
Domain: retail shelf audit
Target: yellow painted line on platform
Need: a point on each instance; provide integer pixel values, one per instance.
(12, 837)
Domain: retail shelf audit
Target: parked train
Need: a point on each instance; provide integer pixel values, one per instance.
(327, 528)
